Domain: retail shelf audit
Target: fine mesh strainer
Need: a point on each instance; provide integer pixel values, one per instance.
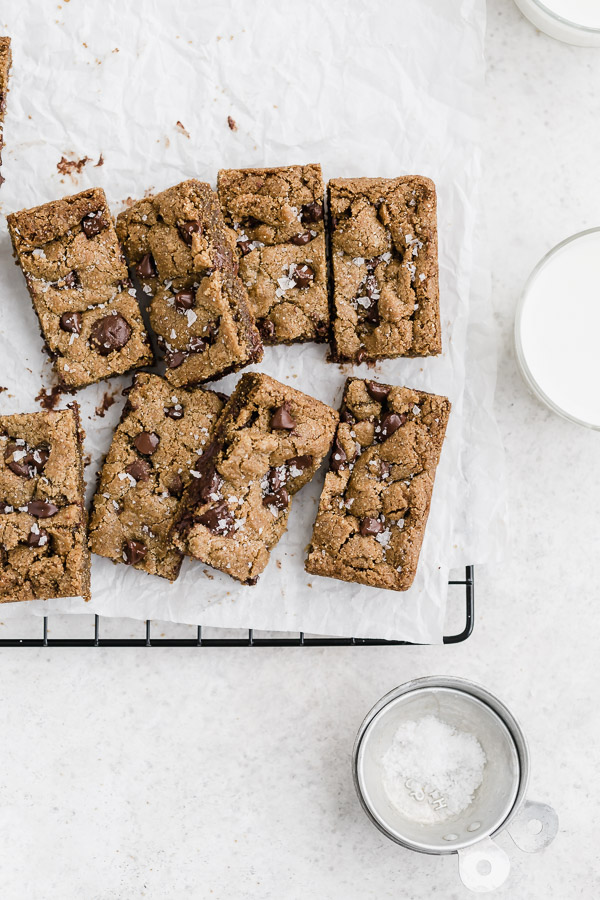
(498, 803)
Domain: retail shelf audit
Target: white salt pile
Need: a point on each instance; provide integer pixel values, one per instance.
(431, 770)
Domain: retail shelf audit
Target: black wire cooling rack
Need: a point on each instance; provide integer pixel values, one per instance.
(249, 639)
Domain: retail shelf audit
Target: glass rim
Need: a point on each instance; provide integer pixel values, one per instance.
(525, 370)
(590, 29)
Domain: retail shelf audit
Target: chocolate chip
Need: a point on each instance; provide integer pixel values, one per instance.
(174, 358)
(134, 552)
(347, 417)
(188, 229)
(174, 412)
(305, 237)
(197, 344)
(38, 457)
(93, 224)
(18, 466)
(139, 469)
(266, 329)
(302, 276)
(370, 527)
(282, 420)
(388, 425)
(184, 300)
(39, 538)
(207, 481)
(175, 485)
(110, 333)
(69, 281)
(244, 247)
(146, 442)
(299, 462)
(218, 519)
(41, 509)
(377, 391)
(276, 477)
(321, 329)
(71, 322)
(146, 268)
(361, 356)
(279, 499)
(372, 314)
(252, 581)
(384, 468)
(312, 212)
(338, 457)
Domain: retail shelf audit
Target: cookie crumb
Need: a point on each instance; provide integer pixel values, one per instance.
(71, 166)
(100, 161)
(181, 129)
(232, 123)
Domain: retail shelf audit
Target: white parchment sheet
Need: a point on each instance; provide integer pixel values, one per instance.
(364, 88)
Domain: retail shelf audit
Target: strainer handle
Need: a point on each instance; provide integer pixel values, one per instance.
(529, 839)
(483, 866)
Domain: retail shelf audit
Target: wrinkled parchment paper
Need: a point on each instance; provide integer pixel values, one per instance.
(365, 88)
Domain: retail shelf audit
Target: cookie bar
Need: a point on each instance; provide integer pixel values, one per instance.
(268, 444)
(43, 544)
(277, 218)
(78, 282)
(162, 431)
(5, 61)
(385, 270)
(182, 253)
(375, 502)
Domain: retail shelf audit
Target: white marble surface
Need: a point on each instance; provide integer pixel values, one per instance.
(225, 774)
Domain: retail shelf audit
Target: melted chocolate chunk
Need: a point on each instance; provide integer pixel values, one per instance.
(302, 276)
(197, 344)
(175, 486)
(218, 519)
(384, 468)
(305, 237)
(146, 267)
(188, 229)
(174, 412)
(139, 469)
(110, 333)
(134, 552)
(174, 358)
(390, 423)
(41, 509)
(146, 442)
(321, 329)
(338, 459)
(207, 480)
(372, 314)
(279, 499)
(299, 462)
(69, 281)
(282, 420)
(39, 538)
(32, 463)
(361, 356)
(184, 300)
(346, 416)
(244, 247)
(377, 391)
(71, 322)
(312, 212)
(93, 224)
(266, 329)
(370, 527)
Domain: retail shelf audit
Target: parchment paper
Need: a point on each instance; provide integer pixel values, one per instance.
(365, 88)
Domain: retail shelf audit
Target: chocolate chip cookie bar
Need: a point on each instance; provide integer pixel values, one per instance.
(43, 544)
(385, 268)
(181, 251)
(78, 282)
(267, 445)
(375, 501)
(5, 61)
(277, 219)
(162, 432)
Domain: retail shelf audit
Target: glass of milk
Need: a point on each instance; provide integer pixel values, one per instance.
(572, 21)
(557, 329)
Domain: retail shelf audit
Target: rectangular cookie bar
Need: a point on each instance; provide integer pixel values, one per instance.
(5, 61)
(375, 501)
(162, 431)
(385, 269)
(268, 444)
(78, 282)
(182, 253)
(277, 219)
(43, 543)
